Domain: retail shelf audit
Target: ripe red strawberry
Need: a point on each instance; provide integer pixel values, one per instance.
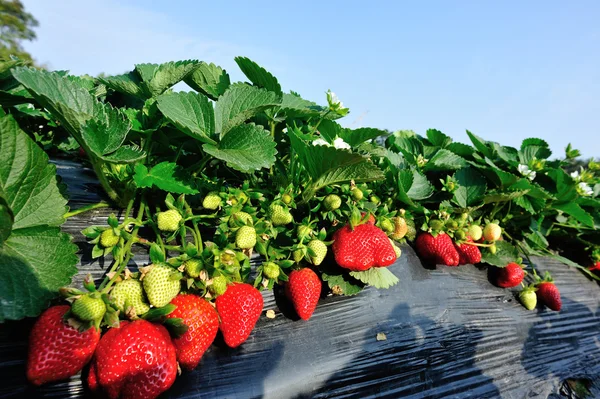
(364, 247)
(510, 276)
(203, 323)
(549, 295)
(136, 360)
(56, 350)
(239, 309)
(595, 267)
(304, 290)
(468, 254)
(439, 249)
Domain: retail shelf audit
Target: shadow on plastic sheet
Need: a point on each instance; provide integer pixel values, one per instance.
(420, 357)
(564, 346)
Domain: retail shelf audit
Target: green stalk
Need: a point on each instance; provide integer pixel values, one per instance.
(120, 265)
(86, 208)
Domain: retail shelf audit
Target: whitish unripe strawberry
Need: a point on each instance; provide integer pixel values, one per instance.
(193, 267)
(279, 215)
(168, 220)
(298, 255)
(271, 270)
(212, 201)
(128, 294)
(400, 228)
(108, 238)
(240, 218)
(219, 285)
(245, 238)
(492, 232)
(528, 298)
(161, 285)
(475, 232)
(397, 249)
(89, 308)
(332, 202)
(320, 250)
(357, 194)
(411, 231)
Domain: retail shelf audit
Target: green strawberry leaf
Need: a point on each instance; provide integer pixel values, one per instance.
(444, 160)
(378, 277)
(158, 78)
(497, 196)
(241, 102)
(192, 113)
(106, 132)
(342, 284)
(505, 254)
(481, 145)
(438, 138)
(329, 165)
(294, 106)
(412, 185)
(6, 220)
(246, 148)
(471, 187)
(355, 137)
(128, 83)
(166, 176)
(36, 259)
(577, 212)
(258, 75)
(209, 79)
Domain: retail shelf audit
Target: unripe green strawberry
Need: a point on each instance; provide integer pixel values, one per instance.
(280, 216)
(475, 232)
(212, 201)
(528, 298)
(219, 285)
(160, 286)
(304, 231)
(436, 224)
(242, 217)
(271, 270)
(168, 220)
(108, 238)
(320, 250)
(129, 294)
(193, 267)
(357, 194)
(493, 249)
(287, 199)
(298, 255)
(452, 224)
(375, 199)
(243, 198)
(332, 202)
(464, 216)
(245, 238)
(460, 235)
(492, 232)
(88, 308)
(387, 225)
(400, 228)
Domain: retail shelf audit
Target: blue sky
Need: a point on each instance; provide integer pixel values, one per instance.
(504, 70)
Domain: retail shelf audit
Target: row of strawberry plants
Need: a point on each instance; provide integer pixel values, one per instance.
(211, 177)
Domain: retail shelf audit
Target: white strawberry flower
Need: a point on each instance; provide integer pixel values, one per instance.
(576, 176)
(341, 144)
(320, 142)
(584, 189)
(525, 171)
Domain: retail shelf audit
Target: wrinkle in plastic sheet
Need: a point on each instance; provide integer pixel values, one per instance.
(450, 333)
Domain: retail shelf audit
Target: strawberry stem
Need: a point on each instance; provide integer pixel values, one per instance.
(86, 208)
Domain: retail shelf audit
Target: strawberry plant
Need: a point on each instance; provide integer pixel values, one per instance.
(211, 178)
